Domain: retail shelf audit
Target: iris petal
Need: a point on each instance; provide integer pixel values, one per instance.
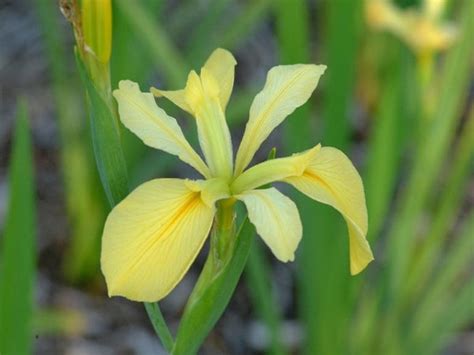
(139, 113)
(276, 219)
(332, 179)
(151, 238)
(287, 87)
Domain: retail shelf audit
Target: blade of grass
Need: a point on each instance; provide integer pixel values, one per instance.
(199, 46)
(184, 17)
(17, 263)
(384, 147)
(166, 57)
(443, 323)
(442, 290)
(292, 25)
(258, 275)
(259, 282)
(135, 64)
(84, 205)
(326, 282)
(449, 207)
(243, 24)
(432, 150)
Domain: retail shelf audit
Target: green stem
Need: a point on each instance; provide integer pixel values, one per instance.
(159, 324)
(445, 215)
(258, 279)
(222, 247)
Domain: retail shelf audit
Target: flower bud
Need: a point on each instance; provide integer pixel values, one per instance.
(97, 28)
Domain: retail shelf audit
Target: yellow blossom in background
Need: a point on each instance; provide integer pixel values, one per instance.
(152, 237)
(422, 29)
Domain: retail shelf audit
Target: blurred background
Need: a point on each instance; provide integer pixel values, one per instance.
(397, 97)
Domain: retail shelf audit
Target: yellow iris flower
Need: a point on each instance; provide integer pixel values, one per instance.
(152, 237)
(421, 29)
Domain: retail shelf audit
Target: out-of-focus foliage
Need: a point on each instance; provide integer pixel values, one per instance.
(405, 116)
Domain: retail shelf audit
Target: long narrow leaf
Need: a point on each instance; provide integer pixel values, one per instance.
(259, 282)
(326, 282)
(17, 263)
(167, 58)
(84, 205)
(293, 31)
(433, 148)
(450, 205)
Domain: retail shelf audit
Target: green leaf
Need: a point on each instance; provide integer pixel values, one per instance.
(159, 324)
(433, 149)
(451, 279)
(85, 206)
(106, 140)
(207, 304)
(324, 264)
(450, 206)
(165, 55)
(17, 267)
(239, 28)
(258, 275)
(385, 148)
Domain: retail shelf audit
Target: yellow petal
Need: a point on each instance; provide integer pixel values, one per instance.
(332, 179)
(221, 65)
(175, 96)
(287, 87)
(151, 238)
(276, 219)
(273, 170)
(433, 9)
(211, 190)
(202, 96)
(140, 114)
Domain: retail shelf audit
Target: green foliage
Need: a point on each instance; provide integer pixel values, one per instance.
(417, 293)
(85, 205)
(111, 162)
(18, 257)
(212, 294)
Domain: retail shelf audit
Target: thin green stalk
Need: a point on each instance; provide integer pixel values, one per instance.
(444, 321)
(384, 147)
(243, 24)
(159, 324)
(433, 149)
(326, 282)
(167, 58)
(293, 32)
(136, 64)
(199, 44)
(449, 207)
(447, 282)
(18, 246)
(259, 283)
(184, 17)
